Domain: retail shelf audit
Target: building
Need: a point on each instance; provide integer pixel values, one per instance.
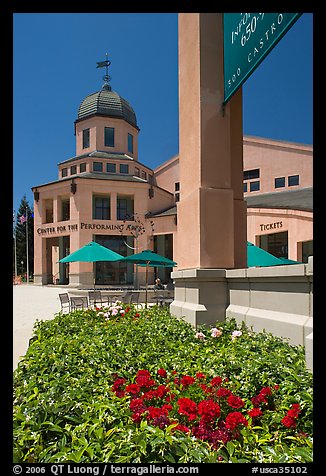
(104, 193)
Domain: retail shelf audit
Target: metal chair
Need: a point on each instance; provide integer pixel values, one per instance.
(78, 302)
(96, 297)
(127, 297)
(65, 302)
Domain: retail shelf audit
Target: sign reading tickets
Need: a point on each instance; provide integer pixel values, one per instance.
(248, 38)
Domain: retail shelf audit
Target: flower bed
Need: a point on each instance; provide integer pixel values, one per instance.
(127, 385)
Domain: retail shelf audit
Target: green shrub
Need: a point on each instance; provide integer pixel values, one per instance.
(65, 409)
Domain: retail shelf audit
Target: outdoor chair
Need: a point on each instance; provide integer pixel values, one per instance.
(65, 302)
(162, 297)
(78, 302)
(97, 298)
(127, 297)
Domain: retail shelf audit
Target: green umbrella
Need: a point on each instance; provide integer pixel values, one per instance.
(149, 258)
(91, 253)
(289, 261)
(258, 257)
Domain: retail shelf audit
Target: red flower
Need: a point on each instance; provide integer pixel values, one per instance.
(265, 391)
(289, 421)
(162, 373)
(170, 397)
(187, 407)
(255, 412)
(160, 392)
(208, 410)
(143, 378)
(186, 380)
(182, 428)
(223, 392)
(235, 402)
(200, 375)
(294, 410)
(117, 386)
(137, 314)
(133, 388)
(137, 405)
(291, 416)
(234, 419)
(257, 400)
(155, 412)
(216, 381)
(205, 388)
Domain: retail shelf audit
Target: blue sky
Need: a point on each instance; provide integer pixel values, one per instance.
(54, 59)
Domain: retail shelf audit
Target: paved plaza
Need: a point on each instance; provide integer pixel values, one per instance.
(30, 303)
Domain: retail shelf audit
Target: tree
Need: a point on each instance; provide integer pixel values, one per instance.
(20, 227)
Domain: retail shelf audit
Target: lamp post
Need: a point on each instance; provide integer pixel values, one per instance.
(136, 231)
(22, 263)
(15, 243)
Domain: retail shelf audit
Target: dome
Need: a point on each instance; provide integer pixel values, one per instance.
(107, 103)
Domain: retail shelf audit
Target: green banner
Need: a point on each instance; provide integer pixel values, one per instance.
(248, 38)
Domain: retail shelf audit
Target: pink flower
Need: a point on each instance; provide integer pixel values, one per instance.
(236, 334)
(114, 311)
(200, 336)
(216, 332)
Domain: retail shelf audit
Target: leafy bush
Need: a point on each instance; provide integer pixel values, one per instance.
(67, 409)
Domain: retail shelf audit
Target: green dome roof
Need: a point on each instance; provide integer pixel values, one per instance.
(107, 103)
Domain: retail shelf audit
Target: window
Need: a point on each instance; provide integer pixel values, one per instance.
(280, 182)
(293, 180)
(125, 207)
(64, 172)
(275, 243)
(82, 167)
(48, 207)
(245, 187)
(177, 186)
(137, 172)
(101, 208)
(85, 138)
(143, 175)
(251, 174)
(130, 143)
(109, 136)
(177, 197)
(65, 210)
(254, 186)
(97, 167)
(124, 169)
(111, 168)
(73, 169)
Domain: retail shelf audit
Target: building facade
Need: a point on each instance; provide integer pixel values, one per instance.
(104, 193)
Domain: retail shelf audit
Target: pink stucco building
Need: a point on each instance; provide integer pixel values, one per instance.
(105, 193)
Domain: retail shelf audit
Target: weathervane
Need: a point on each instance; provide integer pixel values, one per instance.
(105, 64)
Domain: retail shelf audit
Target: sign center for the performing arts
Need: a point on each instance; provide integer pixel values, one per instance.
(49, 230)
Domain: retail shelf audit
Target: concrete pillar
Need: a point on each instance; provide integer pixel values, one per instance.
(212, 211)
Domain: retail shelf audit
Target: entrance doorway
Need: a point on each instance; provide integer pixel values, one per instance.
(57, 248)
(163, 245)
(119, 273)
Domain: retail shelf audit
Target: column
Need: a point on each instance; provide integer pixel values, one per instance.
(212, 211)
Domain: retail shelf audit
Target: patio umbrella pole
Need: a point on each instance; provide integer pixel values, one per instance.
(146, 284)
